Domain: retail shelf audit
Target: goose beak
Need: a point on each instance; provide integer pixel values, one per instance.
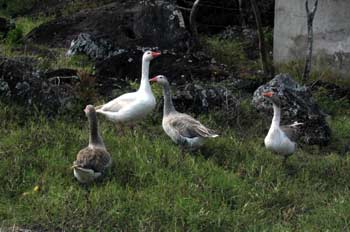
(267, 94)
(156, 54)
(154, 79)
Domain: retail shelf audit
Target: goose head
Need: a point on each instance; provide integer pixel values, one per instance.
(89, 110)
(272, 97)
(149, 55)
(160, 79)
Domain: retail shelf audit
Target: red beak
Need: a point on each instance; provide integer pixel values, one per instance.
(156, 54)
(153, 79)
(268, 94)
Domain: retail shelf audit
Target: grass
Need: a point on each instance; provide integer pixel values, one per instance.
(16, 7)
(321, 71)
(232, 184)
(231, 53)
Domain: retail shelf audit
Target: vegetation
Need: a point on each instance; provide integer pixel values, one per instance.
(16, 7)
(233, 183)
(318, 72)
(230, 52)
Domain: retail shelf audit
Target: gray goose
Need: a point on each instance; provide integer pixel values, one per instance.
(280, 139)
(91, 161)
(181, 128)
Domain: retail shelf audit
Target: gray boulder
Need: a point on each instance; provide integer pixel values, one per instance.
(23, 83)
(297, 105)
(204, 97)
(92, 47)
(121, 24)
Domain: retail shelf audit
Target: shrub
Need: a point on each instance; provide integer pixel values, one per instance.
(14, 36)
(16, 7)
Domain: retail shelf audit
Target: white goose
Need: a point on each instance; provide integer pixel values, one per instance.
(280, 139)
(91, 161)
(181, 128)
(131, 107)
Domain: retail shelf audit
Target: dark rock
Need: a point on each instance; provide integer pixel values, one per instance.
(64, 72)
(231, 32)
(93, 48)
(204, 97)
(21, 82)
(297, 105)
(180, 69)
(122, 24)
(5, 26)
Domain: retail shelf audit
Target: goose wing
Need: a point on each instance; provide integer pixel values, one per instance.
(96, 159)
(291, 131)
(118, 103)
(189, 127)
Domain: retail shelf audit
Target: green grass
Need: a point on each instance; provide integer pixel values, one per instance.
(230, 53)
(232, 184)
(16, 7)
(321, 71)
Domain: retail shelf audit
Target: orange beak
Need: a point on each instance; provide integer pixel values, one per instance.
(268, 94)
(153, 79)
(156, 54)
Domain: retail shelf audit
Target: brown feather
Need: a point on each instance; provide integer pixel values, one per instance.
(291, 132)
(96, 159)
(188, 126)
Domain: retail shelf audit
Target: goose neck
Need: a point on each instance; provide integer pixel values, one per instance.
(94, 138)
(168, 102)
(145, 85)
(276, 115)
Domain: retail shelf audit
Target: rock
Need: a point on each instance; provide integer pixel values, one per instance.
(5, 26)
(204, 97)
(121, 25)
(64, 72)
(93, 48)
(121, 69)
(297, 105)
(22, 83)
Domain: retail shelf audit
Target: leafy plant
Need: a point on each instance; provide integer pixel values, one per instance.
(14, 36)
(16, 7)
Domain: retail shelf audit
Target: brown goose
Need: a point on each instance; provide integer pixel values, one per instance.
(280, 139)
(181, 128)
(94, 159)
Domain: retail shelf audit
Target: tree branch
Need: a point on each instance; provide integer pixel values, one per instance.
(310, 38)
(193, 22)
(265, 63)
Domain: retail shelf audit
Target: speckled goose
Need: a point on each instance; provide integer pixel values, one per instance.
(93, 160)
(181, 128)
